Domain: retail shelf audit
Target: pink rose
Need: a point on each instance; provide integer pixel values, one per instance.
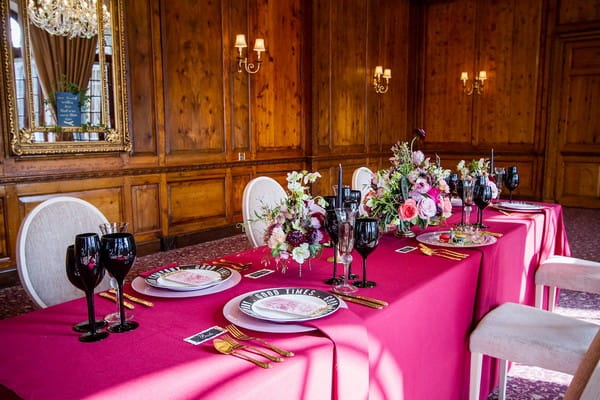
(427, 208)
(408, 210)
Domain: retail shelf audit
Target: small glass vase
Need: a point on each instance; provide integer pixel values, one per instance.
(404, 230)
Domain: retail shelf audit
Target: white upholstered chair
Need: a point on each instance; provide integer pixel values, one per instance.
(527, 335)
(565, 273)
(42, 244)
(361, 180)
(258, 192)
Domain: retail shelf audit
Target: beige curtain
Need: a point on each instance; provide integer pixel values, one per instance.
(58, 56)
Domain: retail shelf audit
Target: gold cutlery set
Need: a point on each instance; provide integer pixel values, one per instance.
(443, 253)
(362, 300)
(231, 264)
(228, 345)
(111, 294)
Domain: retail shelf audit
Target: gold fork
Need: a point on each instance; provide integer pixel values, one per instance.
(237, 345)
(449, 252)
(238, 334)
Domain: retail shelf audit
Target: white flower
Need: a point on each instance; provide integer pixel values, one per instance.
(277, 237)
(418, 157)
(494, 189)
(311, 177)
(300, 253)
(295, 187)
(293, 176)
(426, 207)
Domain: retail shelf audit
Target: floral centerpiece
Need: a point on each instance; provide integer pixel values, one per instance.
(411, 192)
(474, 169)
(293, 225)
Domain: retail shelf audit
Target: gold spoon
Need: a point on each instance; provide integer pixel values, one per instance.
(225, 348)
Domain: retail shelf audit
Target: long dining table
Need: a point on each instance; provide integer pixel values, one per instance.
(415, 348)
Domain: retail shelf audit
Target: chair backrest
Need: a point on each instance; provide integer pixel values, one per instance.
(258, 192)
(42, 245)
(361, 179)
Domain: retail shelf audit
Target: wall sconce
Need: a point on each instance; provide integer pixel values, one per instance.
(476, 86)
(378, 79)
(243, 64)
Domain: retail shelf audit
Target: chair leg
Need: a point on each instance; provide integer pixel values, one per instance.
(551, 298)
(503, 377)
(539, 296)
(475, 380)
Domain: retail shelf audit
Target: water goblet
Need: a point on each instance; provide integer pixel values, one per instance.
(332, 229)
(331, 202)
(366, 239)
(511, 180)
(117, 254)
(88, 270)
(84, 326)
(482, 197)
(354, 195)
(106, 228)
(345, 223)
(467, 198)
(459, 189)
(500, 172)
(453, 185)
(354, 206)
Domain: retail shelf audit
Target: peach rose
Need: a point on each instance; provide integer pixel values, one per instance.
(408, 210)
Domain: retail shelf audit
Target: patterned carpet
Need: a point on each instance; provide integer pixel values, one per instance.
(525, 383)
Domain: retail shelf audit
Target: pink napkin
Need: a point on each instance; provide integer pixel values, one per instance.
(146, 274)
(351, 358)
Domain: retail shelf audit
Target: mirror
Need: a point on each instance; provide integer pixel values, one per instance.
(64, 63)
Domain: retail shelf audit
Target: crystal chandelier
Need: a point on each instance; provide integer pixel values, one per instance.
(72, 18)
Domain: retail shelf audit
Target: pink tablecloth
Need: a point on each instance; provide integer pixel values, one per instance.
(417, 347)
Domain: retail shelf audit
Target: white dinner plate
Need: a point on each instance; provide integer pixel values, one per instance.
(433, 238)
(233, 314)
(139, 285)
(518, 206)
(292, 304)
(185, 278)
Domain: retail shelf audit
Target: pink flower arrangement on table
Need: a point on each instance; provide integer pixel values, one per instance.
(412, 191)
(477, 168)
(294, 225)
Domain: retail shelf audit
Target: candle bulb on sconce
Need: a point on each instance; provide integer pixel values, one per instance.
(242, 61)
(476, 86)
(381, 79)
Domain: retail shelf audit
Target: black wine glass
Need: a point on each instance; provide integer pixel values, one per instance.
(511, 180)
(331, 225)
(117, 254)
(453, 184)
(482, 197)
(354, 196)
(331, 202)
(366, 239)
(89, 271)
(84, 326)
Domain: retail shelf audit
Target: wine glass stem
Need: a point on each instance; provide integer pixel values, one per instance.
(113, 283)
(121, 307)
(89, 296)
(364, 259)
(346, 271)
(462, 214)
(467, 215)
(335, 259)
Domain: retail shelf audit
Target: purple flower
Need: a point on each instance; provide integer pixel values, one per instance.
(420, 133)
(295, 238)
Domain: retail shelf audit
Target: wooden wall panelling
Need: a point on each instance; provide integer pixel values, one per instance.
(321, 76)
(510, 45)
(196, 200)
(140, 78)
(193, 80)
(573, 161)
(239, 99)
(449, 48)
(395, 36)
(578, 11)
(239, 179)
(277, 95)
(4, 237)
(144, 210)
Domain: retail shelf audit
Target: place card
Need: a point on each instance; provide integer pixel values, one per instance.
(205, 335)
(405, 249)
(260, 273)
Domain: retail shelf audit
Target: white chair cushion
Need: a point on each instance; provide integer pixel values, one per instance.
(569, 273)
(259, 192)
(42, 245)
(531, 336)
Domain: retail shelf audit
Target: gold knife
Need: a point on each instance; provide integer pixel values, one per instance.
(113, 298)
(369, 299)
(358, 301)
(133, 298)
